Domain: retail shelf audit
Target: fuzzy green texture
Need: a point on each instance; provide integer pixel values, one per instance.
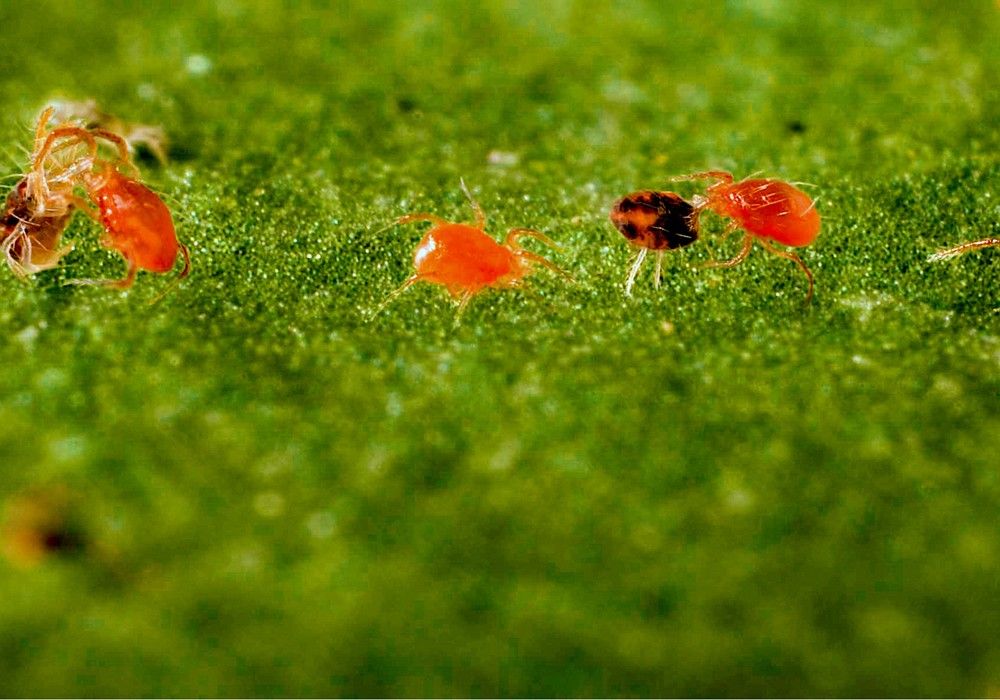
(707, 489)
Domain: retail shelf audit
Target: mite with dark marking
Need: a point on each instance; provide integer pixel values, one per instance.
(651, 220)
(767, 210)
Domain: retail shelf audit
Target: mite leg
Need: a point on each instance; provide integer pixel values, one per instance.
(152, 137)
(717, 175)
(411, 218)
(129, 278)
(62, 172)
(463, 302)
(177, 280)
(516, 233)
(124, 157)
(20, 250)
(38, 186)
(964, 248)
(731, 228)
(123, 283)
(410, 281)
(659, 268)
(187, 261)
(535, 258)
(738, 258)
(630, 280)
(788, 255)
(17, 250)
(82, 136)
(476, 209)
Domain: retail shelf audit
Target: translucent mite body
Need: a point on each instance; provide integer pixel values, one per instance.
(31, 241)
(465, 260)
(767, 210)
(651, 220)
(42, 203)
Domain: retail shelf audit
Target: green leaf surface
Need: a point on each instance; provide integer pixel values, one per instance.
(708, 489)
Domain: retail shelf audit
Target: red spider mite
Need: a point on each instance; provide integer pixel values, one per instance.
(659, 221)
(964, 248)
(138, 225)
(767, 210)
(465, 260)
(136, 221)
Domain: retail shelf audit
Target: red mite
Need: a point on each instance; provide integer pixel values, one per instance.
(659, 221)
(767, 210)
(137, 222)
(465, 260)
(138, 225)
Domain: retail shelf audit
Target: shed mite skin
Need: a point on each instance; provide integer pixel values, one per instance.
(40, 206)
(766, 210)
(32, 243)
(651, 220)
(149, 137)
(963, 248)
(465, 260)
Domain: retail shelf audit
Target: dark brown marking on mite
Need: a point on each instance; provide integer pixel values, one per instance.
(628, 230)
(16, 205)
(656, 220)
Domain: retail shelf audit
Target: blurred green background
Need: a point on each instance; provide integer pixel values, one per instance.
(255, 487)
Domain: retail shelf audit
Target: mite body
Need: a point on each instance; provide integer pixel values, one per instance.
(465, 260)
(137, 224)
(658, 221)
(766, 210)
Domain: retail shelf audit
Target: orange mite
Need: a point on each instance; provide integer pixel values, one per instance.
(767, 210)
(659, 221)
(138, 225)
(465, 260)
